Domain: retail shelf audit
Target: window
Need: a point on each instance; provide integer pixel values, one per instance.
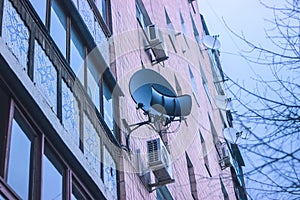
(58, 25)
(224, 191)
(76, 193)
(1, 197)
(194, 87)
(76, 52)
(205, 83)
(171, 30)
(19, 161)
(184, 33)
(108, 107)
(40, 7)
(52, 177)
(213, 131)
(192, 177)
(204, 151)
(178, 87)
(140, 17)
(102, 6)
(4, 118)
(141, 14)
(197, 36)
(93, 88)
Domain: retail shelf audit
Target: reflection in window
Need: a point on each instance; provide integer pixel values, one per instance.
(58, 26)
(183, 28)
(205, 83)
(76, 52)
(140, 16)
(40, 7)
(194, 87)
(93, 88)
(171, 30)
(19, 161)
(204, 151)
(101, 5)
(108, 107)
(52, 177)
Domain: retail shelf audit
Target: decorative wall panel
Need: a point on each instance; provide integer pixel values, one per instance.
(110, 178)
(91, 142)
(45, 76)
(15, 34)
(70, 113)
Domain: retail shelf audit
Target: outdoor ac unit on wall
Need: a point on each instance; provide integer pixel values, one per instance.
(159, 160)
(224, 156)
(156, 42)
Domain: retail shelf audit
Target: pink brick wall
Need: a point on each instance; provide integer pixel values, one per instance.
(128, 41)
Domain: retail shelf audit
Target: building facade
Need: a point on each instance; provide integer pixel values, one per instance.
(73, 124)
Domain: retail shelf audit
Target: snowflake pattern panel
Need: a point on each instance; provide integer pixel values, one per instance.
(45, 76)
(15, 34)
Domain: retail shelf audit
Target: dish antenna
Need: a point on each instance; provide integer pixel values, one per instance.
(155, 96)
(232, 135)
(211, 42)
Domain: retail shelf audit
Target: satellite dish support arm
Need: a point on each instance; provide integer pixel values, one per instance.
(135, 127)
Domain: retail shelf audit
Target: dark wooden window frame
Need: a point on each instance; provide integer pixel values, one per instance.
(39, 143)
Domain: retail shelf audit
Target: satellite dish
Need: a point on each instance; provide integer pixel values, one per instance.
(174, 106)
(153, 93)
(232, 135)
(211, 42)
(141, 84)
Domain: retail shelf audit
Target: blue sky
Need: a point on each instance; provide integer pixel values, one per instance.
(243, 17)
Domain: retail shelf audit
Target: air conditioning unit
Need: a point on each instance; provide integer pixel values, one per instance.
(159, 160)
(224, 156)
(156, 42)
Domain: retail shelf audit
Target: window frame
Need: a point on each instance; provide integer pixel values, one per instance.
(39, 141)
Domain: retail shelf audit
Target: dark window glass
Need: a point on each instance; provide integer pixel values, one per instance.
(192, 177)
(40, 8)
(205, 84)
(183, 27)
(76, 53)
(194, 87)
(58, 23)
(139, 16)
(52, 177)
(76, 194)
(19, 161)
(107, 106)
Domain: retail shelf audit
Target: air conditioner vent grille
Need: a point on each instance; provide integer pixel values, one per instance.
(153, 150)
